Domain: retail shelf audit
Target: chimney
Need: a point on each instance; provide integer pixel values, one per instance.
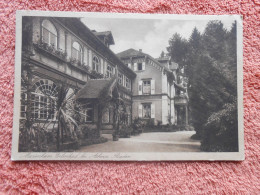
(140, 50)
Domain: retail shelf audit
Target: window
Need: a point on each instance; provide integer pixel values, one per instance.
(49, 33)
(109, 71)
(120, 78)
(146, 110)
(127, 83)
(89, 117)
(140, 66)
(96, 63)
(77, 52)
(44, 100)
(147, 87)
(107, 116)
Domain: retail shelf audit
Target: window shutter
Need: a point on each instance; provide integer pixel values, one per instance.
(143, 66)
(140, 87)
(135, 66)
(140, 110)
(152, 111)
(152, 86)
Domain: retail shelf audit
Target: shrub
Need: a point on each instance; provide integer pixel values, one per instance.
(221, 131)
(138, 126)
(88, 132)
(125, 131)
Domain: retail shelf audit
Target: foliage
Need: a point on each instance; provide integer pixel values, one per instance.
(33, 139)
(221, 129)
(125, 131)
(209, 60)
(138, 125)
(51, 49)
(178, 49)
(89, 132)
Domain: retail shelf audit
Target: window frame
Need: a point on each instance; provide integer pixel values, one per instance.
(140, 64)
(41, 102)
(49, 33)
(109, 71)
(96, 64)
(88, 108)
(147, 85)
(150, 110)
(81, 52)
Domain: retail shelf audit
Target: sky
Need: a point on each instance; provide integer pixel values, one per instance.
(150, 35)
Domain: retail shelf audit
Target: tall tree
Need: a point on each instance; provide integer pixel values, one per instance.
(210, 64)
(178, 49)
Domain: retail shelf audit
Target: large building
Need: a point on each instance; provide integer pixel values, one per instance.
(63, 50)
(58, 50)
(155, 87)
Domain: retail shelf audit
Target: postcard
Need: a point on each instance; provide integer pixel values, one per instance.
(128, 87)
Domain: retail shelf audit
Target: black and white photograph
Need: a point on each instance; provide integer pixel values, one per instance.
(130, 87)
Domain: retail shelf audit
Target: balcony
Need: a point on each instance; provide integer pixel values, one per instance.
(181, 100)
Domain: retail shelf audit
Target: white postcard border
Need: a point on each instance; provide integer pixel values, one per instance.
(119, 156)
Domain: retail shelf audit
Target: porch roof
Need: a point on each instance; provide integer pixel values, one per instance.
(93, 88)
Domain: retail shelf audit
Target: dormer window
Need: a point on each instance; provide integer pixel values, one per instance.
(77, 52)
(96, 63)
(49, 33)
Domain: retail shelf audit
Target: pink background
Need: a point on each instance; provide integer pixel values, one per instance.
(133, 177)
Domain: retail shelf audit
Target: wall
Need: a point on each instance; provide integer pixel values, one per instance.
(149, 72)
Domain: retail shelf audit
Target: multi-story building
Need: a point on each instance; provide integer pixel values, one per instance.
(58, 50)
(63, 50)
(154, 88)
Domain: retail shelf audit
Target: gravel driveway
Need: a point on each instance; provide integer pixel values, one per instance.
(148, 142)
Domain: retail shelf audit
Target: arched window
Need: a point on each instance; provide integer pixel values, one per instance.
(43, 99)
(96, 63)
(109, 71)
(49, 33)
(77, 52)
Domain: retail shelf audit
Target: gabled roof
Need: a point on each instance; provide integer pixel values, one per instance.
(103, 34)
(94, 87)
(131, 53)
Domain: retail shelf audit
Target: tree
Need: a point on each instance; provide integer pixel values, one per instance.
(178, 49)
(210, 64)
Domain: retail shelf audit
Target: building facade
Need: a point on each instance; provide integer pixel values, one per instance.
(154, 88)
(64, 50)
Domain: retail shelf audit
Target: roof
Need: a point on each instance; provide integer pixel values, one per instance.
(134, 53)
(94, 88)
(131, 53)
(164, 58)
(82, 31)
(103, 34)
